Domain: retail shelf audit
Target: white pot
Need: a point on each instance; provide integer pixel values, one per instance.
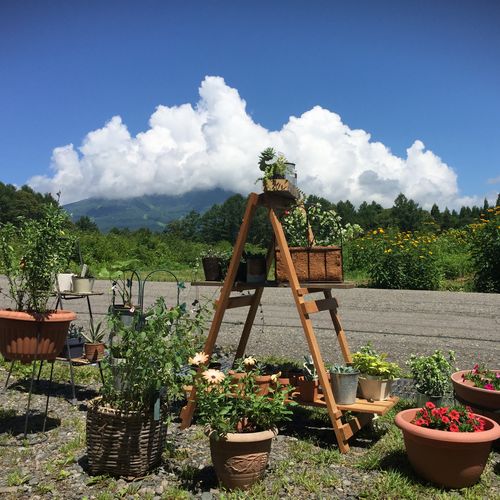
(375, 388)
(65, 282)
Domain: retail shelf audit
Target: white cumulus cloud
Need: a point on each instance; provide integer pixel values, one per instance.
(216, 143)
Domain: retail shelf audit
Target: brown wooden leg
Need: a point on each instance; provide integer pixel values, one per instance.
(312, 342)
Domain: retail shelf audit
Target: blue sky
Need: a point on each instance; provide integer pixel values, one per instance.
(402, 72)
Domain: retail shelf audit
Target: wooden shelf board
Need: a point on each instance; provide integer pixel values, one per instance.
(240, 285)
(361, 405)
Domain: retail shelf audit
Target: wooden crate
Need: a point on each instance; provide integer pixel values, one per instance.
(282, 186)
(313, 264)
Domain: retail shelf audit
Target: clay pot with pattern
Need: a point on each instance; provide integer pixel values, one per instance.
(240, 459)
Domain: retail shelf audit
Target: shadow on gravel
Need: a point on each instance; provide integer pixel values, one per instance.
(14, 424)
(194, 479)
(57, 389)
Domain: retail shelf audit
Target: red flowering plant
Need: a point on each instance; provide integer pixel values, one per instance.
(483, 378)
(448, 418)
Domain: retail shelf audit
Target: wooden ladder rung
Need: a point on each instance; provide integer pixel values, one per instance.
(307, 291)
(315, 306)
(242, 301)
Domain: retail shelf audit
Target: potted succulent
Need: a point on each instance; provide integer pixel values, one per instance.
(94, 345)
(31, 256)
(240, 422)
(447, 445)
(83, 283)
(431, 376)
(344, 381)
(376, 373)
(308, 384)
(479, 388)
(126, 425)
(278, 173)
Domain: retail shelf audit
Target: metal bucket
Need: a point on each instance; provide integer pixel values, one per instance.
(344, 387)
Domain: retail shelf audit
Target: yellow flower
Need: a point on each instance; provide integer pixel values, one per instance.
(275, 377)
(213, 376)
(200, 358)
(249, 361)
(380, 230)
(430, 253)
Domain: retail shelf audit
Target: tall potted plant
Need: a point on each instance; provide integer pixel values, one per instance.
(94, 345)
(431, 376)
(376, 373)
(241, 423)
(126, 424)
(31, 256)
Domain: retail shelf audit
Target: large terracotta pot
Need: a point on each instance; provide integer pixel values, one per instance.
(450, 459)
(19, 331)
(475, 396)
(240, 459)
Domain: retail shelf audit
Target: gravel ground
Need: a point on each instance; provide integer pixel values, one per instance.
(399, 322)
(53, 465)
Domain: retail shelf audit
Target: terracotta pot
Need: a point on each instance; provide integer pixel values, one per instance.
(375, 388)
(19, 330)
(263, 382)
(236, 378)
(94, 351)
(240, 460)
(450, 459)
(475, 396)
(308, 389)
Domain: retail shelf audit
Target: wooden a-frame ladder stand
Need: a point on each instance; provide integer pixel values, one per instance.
(363, 410)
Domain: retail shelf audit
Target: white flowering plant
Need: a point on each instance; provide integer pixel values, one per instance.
(326, 226)
(224, 404)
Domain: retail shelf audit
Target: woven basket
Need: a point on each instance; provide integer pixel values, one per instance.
(125, 444)
(312, 264)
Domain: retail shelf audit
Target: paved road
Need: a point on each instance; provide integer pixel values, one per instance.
(397, 322)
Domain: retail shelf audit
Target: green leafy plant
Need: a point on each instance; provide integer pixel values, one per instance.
(431, 374)
(403, 260)
(121, 282)
(485, 251)
(95, 334)
(227, 406)
(326, 226)
(32, 254)
(273, 164)
(369, 362)
(154, 355)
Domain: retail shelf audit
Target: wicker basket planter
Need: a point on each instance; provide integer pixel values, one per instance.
(312, 264)
(125, 444)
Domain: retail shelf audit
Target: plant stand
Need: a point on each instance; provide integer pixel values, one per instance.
(26, 418)
(362, 410)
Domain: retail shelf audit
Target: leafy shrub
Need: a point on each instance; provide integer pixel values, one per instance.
(485, 249)
(431, 374)
(404, 261)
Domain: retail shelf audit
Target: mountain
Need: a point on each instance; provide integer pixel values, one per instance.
(151, 211)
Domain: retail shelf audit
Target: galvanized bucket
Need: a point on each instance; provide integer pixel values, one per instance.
(344, 387)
